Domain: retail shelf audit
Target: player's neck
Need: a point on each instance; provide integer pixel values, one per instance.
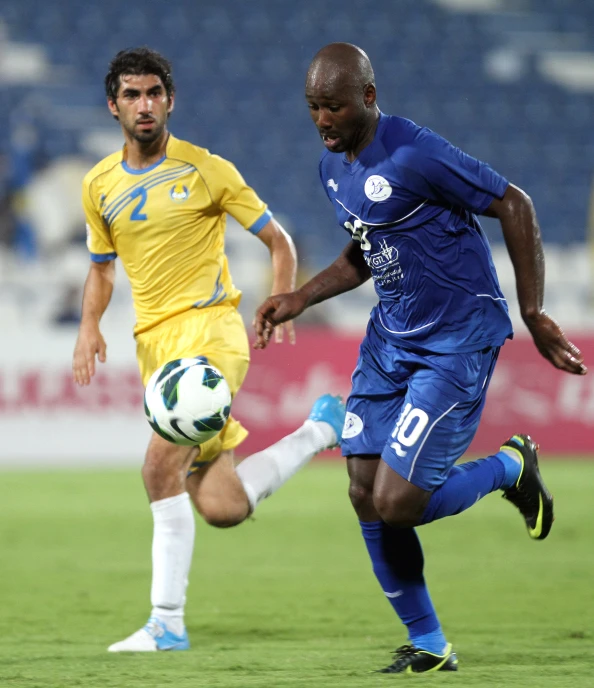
(139, 155)
(364, 138)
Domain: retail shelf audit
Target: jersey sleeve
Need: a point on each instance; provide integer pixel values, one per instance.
(99, 240)
(437, 170)
(230, 192)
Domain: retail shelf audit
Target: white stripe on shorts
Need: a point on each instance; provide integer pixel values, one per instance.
(412, 468)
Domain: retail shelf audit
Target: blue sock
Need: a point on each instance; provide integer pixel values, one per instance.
(470, 481)
(397, 560)
(513, 468)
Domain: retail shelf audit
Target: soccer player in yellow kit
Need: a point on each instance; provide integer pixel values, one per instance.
(160, 205)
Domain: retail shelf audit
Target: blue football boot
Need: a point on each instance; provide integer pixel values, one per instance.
(329, 409)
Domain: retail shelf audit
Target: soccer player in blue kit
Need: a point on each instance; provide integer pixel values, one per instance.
(409, 200)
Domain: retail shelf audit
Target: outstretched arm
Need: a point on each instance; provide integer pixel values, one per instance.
(90, 342)
(521, 232)
(347, 272)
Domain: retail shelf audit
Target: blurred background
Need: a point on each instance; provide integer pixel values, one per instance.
(509, 81)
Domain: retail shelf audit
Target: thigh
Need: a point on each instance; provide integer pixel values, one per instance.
(219, 335)
(224, 342)
(226, 347)
(379, 385)
(439, 417)
(216, 333)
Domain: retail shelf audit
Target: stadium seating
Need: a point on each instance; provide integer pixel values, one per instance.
(240, 71)
(472, 76)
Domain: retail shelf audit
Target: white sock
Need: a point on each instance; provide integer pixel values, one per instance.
(263, 473)
(173, 544)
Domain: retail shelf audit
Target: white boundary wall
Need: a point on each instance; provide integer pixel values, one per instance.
(45, 419)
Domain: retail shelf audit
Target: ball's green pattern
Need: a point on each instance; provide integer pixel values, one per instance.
(215, 422)
(169, 389)
(158, 430)
(211, 378)
(168, 368)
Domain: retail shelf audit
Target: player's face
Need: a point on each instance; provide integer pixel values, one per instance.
(142, 106)
(340, 114)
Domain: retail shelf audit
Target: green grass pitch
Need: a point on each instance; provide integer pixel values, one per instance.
(287, 599)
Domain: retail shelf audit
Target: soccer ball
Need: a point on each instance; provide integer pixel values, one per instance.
(187, 401)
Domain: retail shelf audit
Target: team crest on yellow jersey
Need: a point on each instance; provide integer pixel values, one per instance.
(179, 193)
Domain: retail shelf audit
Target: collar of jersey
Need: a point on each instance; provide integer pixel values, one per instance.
(360, 159)
(144, 170)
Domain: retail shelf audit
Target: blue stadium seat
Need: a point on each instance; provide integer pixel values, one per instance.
(240, 69)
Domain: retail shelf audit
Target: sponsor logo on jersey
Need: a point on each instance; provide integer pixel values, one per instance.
(179, 193)
(384, 264)
(333, 185)
(377, 188)
(353, 425)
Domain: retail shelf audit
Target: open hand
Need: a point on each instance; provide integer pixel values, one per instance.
(90, 343)
(552, 343)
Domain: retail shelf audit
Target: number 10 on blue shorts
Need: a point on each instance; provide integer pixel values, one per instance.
(419, 412)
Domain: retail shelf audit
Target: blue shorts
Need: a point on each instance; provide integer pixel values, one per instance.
(418, 411)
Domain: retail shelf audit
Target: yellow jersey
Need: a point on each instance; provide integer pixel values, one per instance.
(167, 225)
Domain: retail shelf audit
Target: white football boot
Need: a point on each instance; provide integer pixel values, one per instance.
(154, 637)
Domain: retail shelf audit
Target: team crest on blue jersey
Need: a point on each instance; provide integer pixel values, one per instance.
(179, 193)
(353, 425)
(377, 188)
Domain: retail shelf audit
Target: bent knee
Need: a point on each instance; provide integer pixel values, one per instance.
(397, 512)
(360, 495)
(361, 498)
(223, 514)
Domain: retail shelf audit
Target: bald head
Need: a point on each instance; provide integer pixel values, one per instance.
(340, 94)
(340, 65)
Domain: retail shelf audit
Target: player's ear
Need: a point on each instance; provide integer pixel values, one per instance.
(113, 108)
(369, 95)
(171, 103)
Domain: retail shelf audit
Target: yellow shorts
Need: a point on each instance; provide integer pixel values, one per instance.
(217, 333)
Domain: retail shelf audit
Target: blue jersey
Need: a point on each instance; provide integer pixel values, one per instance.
(410, 199)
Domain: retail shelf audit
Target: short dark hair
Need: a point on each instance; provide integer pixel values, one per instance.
(138, 61)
